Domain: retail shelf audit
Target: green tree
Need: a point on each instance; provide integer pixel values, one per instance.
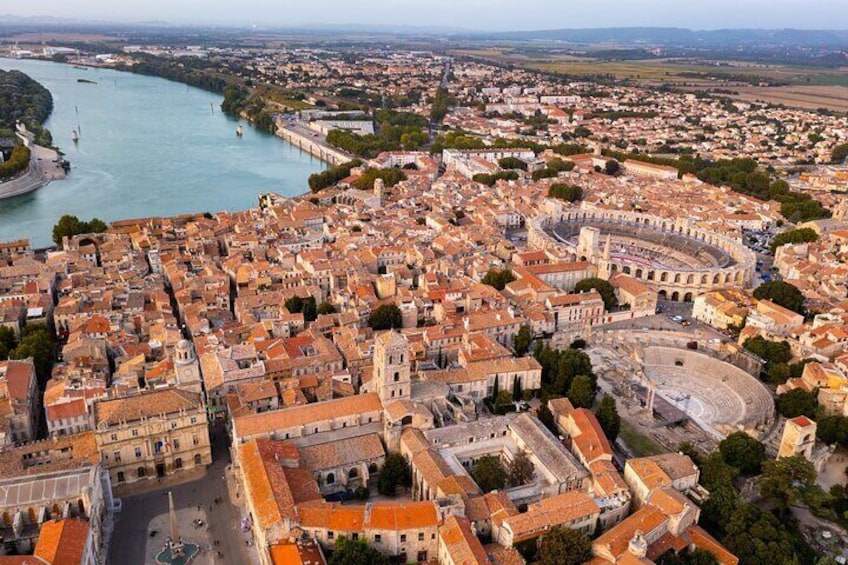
(489, 473)
(581, 393)
(719, 507)
(612, 167)
(802, 235)
(759, 538)
(603, 287)
(564, 546)
(831, 430)
(310, 309)
(390, 177)
(743, 452)
(7, 342)
(37, 343)
(696, 557)
(387, 316)
(567, 192)
(69, 226)
(96, 225)
(781, 293)
(797, 402)
(839, 153)
(294, 304)
(715, 471)
(512, 163)
(356, 552)
(503, 403)
(523, 340)
(776, 354)
(520, 470)
(325, 179)
(547, 418)
(395, 473)
(498, 279)
(608, 417)
(786, 481)
(326, 308)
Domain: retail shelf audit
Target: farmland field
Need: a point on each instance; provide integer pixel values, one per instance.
(812, 97)
(796, 86)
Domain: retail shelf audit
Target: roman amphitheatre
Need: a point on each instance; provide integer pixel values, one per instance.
(677, 260)
(720, 397)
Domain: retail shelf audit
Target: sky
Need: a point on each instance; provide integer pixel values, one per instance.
(492, 15)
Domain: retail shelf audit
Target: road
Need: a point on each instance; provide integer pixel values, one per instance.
(132, 528)
(43, 167)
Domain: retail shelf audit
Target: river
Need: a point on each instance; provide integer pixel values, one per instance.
(148, 147)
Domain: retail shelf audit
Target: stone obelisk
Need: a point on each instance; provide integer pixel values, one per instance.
(177, 548)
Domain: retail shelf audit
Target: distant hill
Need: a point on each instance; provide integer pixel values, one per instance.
(672, 36)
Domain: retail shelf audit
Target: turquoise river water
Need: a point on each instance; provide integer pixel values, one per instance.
(148, 147)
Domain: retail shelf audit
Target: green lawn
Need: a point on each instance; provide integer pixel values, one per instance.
(641, 445)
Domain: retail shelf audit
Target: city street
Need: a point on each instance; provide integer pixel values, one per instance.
(133, 545)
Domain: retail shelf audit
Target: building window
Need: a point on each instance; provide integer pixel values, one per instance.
(137, 452)
(178, 463)
(176, 443)
(173, 425)
(403, 538)
(331, 478)
(120, 476)
(378, 538)
(197, 459)
(195, 440)
(397, 376)
(354, 536)
(114, 437)
(194, 420)
(420, 536)
(141, 472)
(329, 535)
(135, 433)
(117, 456)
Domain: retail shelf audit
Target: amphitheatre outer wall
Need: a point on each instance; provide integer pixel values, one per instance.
(681, 284)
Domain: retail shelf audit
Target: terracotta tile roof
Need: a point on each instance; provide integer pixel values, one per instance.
(562, 509)
(19, 376)
(266, 422)
(62, 542)
(331, 516)
(462, 545)
(70, 409)
(402, 516)
(145, 405)
(55, 454)
(297, 553)
(495, 506)
(500, 555)
(274, 481)
(700, 538)
(669, 501)
(342, 453)
(591, 443)
(613, 543)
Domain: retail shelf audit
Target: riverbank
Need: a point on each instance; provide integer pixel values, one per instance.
(45, 166)
(148, 147)
(306, 140)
